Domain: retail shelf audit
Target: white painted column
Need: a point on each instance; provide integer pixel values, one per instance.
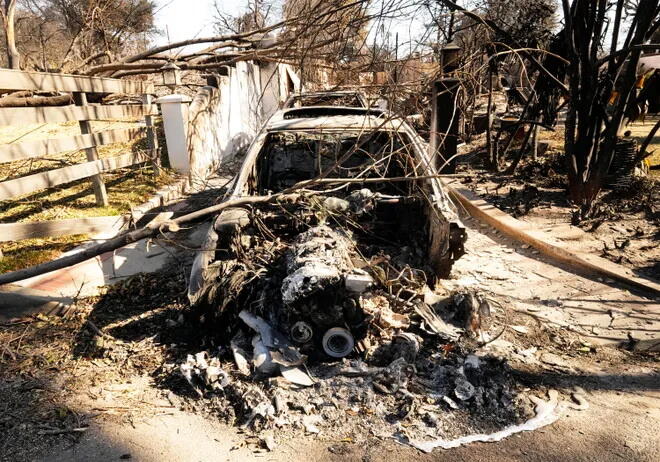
(174, 109)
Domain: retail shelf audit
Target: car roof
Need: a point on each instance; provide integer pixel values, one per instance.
(339, 122)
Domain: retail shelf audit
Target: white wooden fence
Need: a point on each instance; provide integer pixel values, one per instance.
(79, 86)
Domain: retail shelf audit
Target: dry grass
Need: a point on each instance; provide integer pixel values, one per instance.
(639, 132)
(554, 138)
(126, 188)
(18, 134)
(13, 134)
(29, 252)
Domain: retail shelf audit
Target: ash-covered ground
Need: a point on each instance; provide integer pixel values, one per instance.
(59, 375)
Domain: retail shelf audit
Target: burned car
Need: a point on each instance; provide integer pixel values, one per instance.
(355, 217)
(341, 98)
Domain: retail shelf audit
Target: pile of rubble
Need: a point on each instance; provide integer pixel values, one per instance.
(319, 325)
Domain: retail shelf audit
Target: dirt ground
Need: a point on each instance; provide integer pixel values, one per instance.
(102, 382)
(68, 394)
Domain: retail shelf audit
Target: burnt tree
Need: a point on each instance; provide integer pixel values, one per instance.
(601, 88)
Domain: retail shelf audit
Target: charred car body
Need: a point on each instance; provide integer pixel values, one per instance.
(359, 217)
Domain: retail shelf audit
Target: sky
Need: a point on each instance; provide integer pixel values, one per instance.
(185, 19)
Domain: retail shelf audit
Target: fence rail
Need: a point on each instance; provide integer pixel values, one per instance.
(83, 113)
(11, 80)
(52, 228)
(52, 146)
(58, 176)
(43, 115)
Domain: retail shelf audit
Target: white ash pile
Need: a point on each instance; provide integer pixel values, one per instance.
(402, 379)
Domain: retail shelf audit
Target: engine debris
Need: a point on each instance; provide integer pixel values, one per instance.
(327, 310)
(338, 342)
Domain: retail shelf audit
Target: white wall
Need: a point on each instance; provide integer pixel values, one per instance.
(222, 122)
(203, 132)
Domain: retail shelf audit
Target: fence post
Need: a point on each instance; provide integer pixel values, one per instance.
(174, 109)
(92, 154)
(152, 139)
(444, 124)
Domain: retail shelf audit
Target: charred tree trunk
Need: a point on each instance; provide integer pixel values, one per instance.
(545, 96)
(489, 124)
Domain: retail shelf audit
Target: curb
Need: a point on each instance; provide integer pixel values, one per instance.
(18, 302)
(527, 234)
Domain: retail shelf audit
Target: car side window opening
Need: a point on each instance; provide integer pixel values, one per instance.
(289, 157)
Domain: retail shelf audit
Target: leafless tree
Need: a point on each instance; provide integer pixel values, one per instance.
(592, 62)
(321, 31)
(256, 16)
(67, 35)
(8, 22)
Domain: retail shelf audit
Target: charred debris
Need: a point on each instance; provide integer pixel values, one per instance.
(325, 304)
(329, 303)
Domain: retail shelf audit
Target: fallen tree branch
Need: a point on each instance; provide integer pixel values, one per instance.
(128, 238)
(183, 43)
(89, 59)
(153, 229)
(244, 40)
(94, 328)
(35, 101)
